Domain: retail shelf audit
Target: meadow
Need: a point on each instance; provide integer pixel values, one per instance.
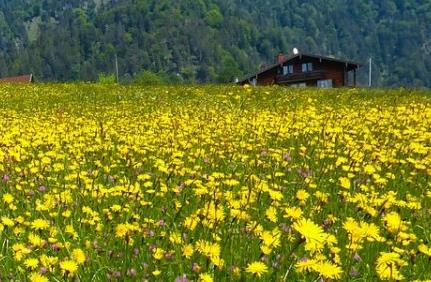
(214, 183)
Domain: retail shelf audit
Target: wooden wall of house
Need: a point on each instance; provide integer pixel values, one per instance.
(333, 70)
(336, 71)
(267, 78)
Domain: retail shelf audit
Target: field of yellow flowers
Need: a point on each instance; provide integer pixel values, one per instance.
(214, 183)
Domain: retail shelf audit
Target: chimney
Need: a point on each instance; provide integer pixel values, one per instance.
(280, 58)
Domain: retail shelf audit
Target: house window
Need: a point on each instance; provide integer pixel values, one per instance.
(287, 69)
(307, 67)
(327, 83)
(299, 85)
(254, 82)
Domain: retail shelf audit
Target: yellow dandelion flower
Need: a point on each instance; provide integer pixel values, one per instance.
(205, 277)
(20, 251)
(158, 253)
(313, 234)
(35, 240)
(121, 230)
(328, 270)
(369, 169)
(394, 223)
(37, 277)
(306, 265)
(187, 250)
(388, 266)
(69, 267)
(8, 198)
(271, 214)
(78, 256)
(31, 263)
(7, 221)
(257, 268)
(40, 224)
(48, 262)
(424, 249)
(175, 238)
(293, 213)
(302, 195)
(345, 182)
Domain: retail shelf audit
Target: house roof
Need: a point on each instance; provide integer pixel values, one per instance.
(27, 78)
(349, 64)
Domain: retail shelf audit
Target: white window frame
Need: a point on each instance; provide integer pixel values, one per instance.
(254, 81)
(307, 67)
(299, 85)
(325, 83)
(287, 69)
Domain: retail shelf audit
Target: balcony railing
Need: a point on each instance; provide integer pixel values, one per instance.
(300, 76)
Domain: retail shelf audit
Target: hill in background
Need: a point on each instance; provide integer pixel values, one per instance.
(211, 41)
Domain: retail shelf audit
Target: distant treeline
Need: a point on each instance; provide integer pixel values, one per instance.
(211, 40)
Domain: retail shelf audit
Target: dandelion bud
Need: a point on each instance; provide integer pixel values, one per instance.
(235, 270)
(182, 185)
(354, 272)
(6, 178)
(131, 272)
(287, 157)
(196, 268)
(152, 247)
(303, 259)
(169, 256)
(117, 274)
(182, 278)
(327, 224)
(357, 257)
(285, 228)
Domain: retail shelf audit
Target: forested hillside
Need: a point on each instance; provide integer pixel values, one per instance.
(211, 40)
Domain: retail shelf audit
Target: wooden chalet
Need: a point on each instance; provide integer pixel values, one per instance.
(301, 70)
(27, 78)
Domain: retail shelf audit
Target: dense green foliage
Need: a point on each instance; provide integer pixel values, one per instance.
(216, 40)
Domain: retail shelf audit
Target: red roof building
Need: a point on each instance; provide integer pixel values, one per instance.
(27, 78)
